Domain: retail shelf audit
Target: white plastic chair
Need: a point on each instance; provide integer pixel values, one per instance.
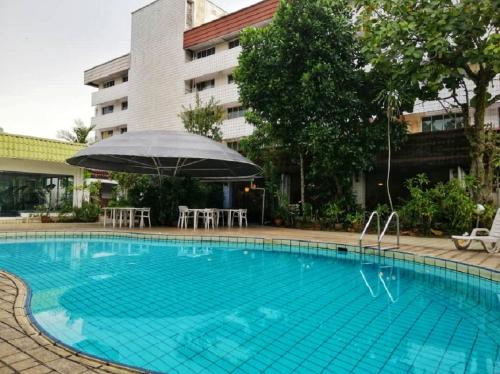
(209, 218)
(184, 216)
(241, 215)
(143, 214)
(490, 240)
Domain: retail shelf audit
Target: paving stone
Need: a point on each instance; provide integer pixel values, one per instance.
(6, 350)
(20, 356)
(24, 343)
(43, 355)
(65, 366)
(58, 350)
(39, 369)
(9, 333)
(25, 364)
(6, 370)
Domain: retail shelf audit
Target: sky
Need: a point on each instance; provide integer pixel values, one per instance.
(46, 45)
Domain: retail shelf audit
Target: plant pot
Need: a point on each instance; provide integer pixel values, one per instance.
(357, 227)
(339, 226)
(46, 219)
(278, 221)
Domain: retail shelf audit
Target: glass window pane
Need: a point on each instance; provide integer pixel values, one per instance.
(438, 123)
(427, 124)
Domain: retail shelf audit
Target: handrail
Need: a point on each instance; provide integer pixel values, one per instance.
(373, 214)
(381, 236)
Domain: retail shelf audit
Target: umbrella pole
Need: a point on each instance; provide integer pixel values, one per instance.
(155, 161)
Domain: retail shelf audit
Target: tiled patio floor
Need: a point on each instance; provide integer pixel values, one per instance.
(24, 350)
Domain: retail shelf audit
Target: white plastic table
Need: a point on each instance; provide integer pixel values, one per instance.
(117, 213)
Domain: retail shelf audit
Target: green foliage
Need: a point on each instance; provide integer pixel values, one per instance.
(89, 212)
(419, 211)
(355, 218)
(308, 94)
(333, 213)
(282, 210)
(165, 197)
(79, 134)
(428, 46)
(383, 210)
(445, 206)
(455, 205)
(204, 119)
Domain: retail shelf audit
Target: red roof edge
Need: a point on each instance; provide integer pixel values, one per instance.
(230, 23)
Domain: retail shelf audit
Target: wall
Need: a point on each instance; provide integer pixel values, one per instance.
(157, 62)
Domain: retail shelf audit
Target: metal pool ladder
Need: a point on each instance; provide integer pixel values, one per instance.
(380, 235)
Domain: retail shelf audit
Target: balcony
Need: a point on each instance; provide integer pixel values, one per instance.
(220, 61)
(224, 94)
(106, 70)
(110, 94)
(114, 119)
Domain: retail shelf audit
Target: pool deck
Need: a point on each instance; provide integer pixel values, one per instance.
(23, 349)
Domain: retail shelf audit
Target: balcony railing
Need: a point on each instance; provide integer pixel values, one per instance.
(224, 94)
(117, 118)
(220, 61)
(106, 95)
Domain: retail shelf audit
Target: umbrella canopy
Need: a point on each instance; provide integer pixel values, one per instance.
(170, 153)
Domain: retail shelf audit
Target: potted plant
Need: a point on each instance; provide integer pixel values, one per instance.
(333, 213)
(355, 220)
(282, 212)
(43, 210)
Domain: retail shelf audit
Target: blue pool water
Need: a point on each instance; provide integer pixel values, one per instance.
(196, 308)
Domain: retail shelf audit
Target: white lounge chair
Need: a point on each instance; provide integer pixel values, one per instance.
(490, 239)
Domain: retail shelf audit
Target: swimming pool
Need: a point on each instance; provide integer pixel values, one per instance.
(184, 307)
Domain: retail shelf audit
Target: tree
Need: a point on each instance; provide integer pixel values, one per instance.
(79, 133)
(302, 79)
(442, 45)
(204, 119)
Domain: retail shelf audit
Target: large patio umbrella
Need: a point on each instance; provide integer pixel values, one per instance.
(166, 153)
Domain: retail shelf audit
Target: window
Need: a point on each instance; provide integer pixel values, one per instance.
(234, 43)
(234, 146)
(205, 85)
(125, 105)
(107, 109)
(205, 53)
(125, 78)
(235, 112)
(106, 134)
(230, 79)
(123, 130)
(442, 122)
(108, 84)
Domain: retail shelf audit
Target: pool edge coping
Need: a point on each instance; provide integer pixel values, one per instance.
(459, 266)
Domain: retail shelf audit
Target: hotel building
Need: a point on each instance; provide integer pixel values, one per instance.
(180, 48)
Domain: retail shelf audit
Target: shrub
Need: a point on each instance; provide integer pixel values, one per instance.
(419, 210)
(446, 206)
(89, 212)
(455, 207)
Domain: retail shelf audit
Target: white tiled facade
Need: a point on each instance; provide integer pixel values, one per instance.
(161, 74)
(424, 109)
